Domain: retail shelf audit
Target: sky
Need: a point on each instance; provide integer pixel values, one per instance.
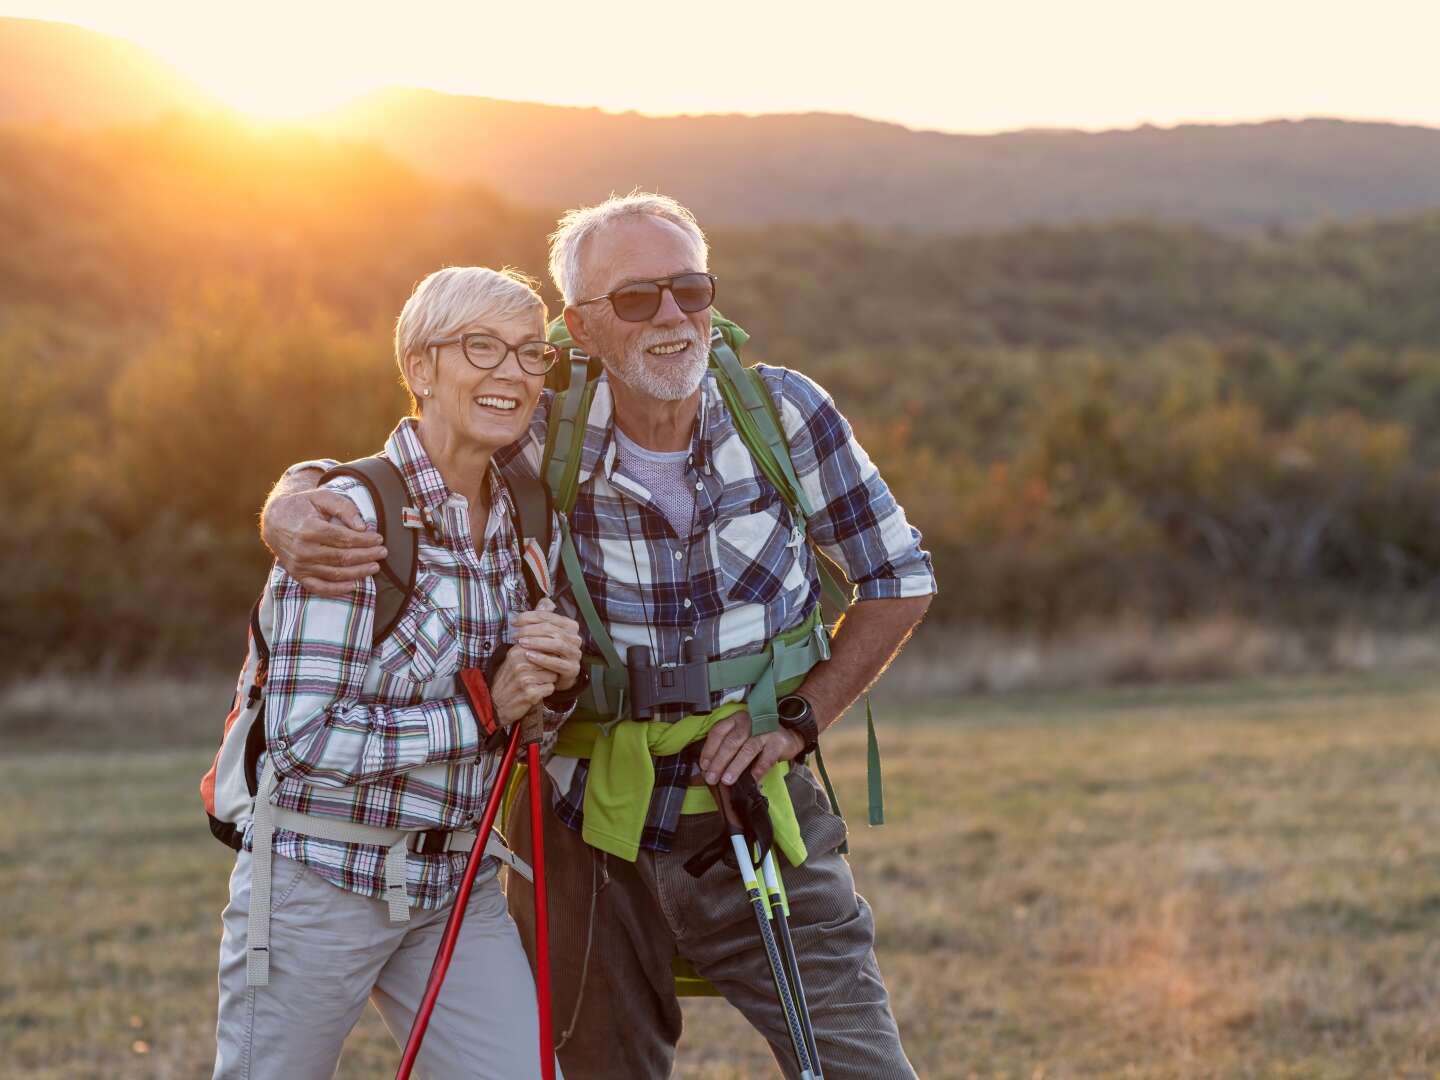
(958, 66)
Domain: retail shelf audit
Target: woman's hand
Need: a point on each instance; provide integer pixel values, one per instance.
(518, 687)
(550, 641)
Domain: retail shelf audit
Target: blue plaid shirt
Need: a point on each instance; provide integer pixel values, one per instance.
(741, 577)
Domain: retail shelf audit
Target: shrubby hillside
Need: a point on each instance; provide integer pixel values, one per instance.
(1131, 417)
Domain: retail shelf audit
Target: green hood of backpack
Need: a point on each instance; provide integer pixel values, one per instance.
(557, 333)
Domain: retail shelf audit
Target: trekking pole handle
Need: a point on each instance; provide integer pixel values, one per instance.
(724, 800)
(532, 726)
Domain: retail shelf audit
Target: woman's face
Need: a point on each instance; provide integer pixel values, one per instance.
(489, 408)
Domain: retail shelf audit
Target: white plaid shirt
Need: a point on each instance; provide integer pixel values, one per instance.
(378, 734)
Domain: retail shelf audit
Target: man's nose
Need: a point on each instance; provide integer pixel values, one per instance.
(668, 313)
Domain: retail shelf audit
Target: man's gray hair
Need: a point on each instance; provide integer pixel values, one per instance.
(457, 297)
(578, 226)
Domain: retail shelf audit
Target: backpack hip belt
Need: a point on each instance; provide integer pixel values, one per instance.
(397, 842)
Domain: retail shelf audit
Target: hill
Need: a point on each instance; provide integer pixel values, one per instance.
(55, 73)
(758, 170)
(812, 168)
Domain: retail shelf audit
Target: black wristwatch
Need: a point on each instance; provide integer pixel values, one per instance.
(796, 715)
(561, 700)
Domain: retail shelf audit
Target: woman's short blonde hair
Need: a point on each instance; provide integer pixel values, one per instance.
(455, 298)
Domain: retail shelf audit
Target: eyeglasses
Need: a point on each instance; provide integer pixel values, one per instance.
(640, 300)
(486, 351)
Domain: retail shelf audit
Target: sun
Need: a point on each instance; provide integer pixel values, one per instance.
(283, 97)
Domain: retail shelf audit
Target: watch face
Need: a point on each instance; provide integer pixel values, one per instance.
(793, 708)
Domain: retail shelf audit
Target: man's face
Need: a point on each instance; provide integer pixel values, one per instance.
(665, 356)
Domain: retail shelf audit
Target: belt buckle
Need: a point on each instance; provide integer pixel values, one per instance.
(822, 638)
(432, 842)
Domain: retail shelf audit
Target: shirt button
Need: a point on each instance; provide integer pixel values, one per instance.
(699, 486)
(686, 601)
(488, 646)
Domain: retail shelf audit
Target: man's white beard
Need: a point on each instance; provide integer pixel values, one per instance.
(672, 378)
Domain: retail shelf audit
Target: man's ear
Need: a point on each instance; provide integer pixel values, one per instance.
(579, 332)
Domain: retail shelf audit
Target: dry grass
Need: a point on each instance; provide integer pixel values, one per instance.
(1235, 880)
(1129, 651)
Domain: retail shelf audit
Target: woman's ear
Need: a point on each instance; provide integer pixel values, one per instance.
(420, 371)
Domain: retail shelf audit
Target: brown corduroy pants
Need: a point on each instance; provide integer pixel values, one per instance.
(628, 1019)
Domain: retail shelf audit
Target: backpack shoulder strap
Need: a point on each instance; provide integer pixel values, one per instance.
(758, 422)
(533, 508)
(560, 467)
(565, 436)
(396, 580)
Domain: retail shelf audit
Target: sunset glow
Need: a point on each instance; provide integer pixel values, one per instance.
(1113, 63)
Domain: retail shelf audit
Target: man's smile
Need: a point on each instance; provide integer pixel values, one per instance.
(668, 348)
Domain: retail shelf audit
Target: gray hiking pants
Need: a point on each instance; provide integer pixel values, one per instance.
(646, 912)
(331, 949)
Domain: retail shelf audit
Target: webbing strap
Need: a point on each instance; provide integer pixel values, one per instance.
(757, 413)
(760, 429)
(353, 832)
(875, 789)
(257, 930)
(566, 437)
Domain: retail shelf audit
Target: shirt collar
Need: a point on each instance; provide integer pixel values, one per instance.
(601, 451)
(425, 485)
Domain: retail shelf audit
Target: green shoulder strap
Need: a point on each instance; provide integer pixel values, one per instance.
(560, 466)
(758, 422)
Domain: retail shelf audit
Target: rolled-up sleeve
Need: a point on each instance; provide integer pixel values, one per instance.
(317, 726)
(855, 519)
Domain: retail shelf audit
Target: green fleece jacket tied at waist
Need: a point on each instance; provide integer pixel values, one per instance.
(622, 778)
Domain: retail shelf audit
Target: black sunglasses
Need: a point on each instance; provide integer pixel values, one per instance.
(485, 351)
(640, 300)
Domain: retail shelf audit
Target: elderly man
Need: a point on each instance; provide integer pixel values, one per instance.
(680, 539)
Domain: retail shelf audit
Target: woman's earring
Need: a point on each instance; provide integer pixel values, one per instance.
(426, 391)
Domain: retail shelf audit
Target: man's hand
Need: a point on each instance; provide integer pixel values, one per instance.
(729, 748)
(321, 540)
(550, 641)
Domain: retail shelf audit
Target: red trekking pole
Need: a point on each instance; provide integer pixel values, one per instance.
(542, 902)
(530, 731)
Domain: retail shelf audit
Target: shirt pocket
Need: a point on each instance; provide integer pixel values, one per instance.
(425, 643)
(755, 552)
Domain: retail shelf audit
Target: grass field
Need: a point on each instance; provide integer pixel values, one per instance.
(1238, 880)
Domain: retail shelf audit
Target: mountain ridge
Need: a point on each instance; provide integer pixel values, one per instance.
(735, 169)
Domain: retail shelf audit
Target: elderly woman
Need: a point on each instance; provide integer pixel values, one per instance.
(362, 736)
